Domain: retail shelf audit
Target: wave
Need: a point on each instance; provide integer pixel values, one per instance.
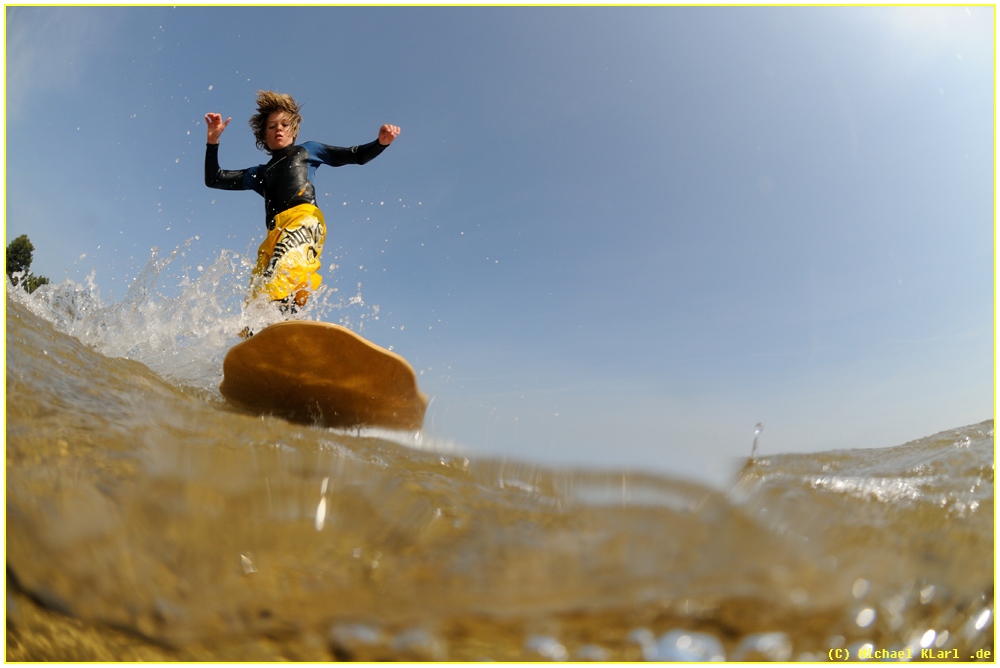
(138, 501)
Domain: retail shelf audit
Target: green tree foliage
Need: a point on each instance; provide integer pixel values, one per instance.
(19, 253)
(34, 282)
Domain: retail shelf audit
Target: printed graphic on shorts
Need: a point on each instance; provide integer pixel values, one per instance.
(288, 259)
(296, 247)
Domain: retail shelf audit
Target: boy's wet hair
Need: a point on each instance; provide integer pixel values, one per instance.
(269, 102)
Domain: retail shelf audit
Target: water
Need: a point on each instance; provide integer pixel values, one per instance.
(147, 519)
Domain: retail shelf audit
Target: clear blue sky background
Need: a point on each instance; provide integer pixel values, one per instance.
(610, 236)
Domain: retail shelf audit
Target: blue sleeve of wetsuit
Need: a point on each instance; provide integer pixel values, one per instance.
(225, 179)
(335, 156)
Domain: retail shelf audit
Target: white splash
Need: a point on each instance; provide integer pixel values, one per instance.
(178, 321)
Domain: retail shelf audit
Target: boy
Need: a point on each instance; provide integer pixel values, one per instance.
(288, 259)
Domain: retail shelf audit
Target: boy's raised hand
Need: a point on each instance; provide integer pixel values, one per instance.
(215, 126)
(386, 134)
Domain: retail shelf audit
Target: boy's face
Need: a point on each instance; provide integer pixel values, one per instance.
(279, 131)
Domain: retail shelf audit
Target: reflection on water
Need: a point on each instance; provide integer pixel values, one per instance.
(145, 519)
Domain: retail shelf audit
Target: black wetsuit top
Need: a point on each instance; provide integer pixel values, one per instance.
(286, 180)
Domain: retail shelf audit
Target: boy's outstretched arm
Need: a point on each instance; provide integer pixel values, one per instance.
(215, 177)
(336, 156)
(385, 134)
(215, 127)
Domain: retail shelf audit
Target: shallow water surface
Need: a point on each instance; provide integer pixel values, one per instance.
(153, 521)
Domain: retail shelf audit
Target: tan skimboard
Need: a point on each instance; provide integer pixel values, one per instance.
(324, 374)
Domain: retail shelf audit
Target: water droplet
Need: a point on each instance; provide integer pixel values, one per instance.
(759, 427)
(321, 514)
(861, 651)
(248, 565)
(420, 645)
(646, 640)
(764, 647)
(686, 646)
(349, 634)
(547, 647)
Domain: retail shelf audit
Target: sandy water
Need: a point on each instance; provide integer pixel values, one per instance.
(158, 522)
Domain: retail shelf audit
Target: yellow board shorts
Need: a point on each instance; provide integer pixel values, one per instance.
(288, 259)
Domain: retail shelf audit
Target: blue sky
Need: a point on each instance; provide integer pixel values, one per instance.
(608, 236)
